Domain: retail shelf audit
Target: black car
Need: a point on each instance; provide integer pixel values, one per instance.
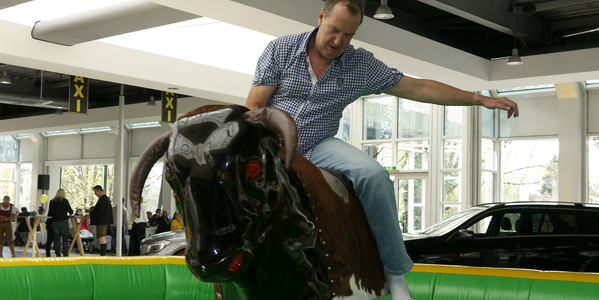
(558, 236)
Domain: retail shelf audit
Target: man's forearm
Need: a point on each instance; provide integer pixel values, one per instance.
(259, 96)
(434, 92)
(431, 91)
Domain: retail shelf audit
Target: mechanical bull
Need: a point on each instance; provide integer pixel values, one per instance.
(276, 232)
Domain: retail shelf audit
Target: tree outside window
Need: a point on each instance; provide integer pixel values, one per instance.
(530, 170)
(79, 181)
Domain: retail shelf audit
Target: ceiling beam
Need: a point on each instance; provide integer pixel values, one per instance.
(496, 15)
(549, 5)
(577, 23)
(97, 117)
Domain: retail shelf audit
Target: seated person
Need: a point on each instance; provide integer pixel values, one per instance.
(18, 241)
(154, 218)
(163, 222)
(42, 213)
(84, 224)
(22, 228)
(177, 222)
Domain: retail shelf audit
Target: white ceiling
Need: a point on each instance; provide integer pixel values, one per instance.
(213, 57)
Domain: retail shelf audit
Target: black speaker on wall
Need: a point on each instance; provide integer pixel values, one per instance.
(43, 182)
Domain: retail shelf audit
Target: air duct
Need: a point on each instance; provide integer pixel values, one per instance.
(119, 18)
(33, 101)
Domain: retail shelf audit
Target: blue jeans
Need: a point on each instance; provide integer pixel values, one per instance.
(60, 229)
(371, 182)
(113, 240)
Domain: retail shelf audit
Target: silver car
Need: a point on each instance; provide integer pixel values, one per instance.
(166, 243)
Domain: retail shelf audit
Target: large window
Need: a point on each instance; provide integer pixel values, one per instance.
(529, 170)
(378, 118)
(488, 172)
(8, 174)
(593, 152)
(396, 133)
(413, 123)
(451, 199)
(25, 174)
(8, 180)
(344, 125)
(489, 175)
(79, 181)
(8, 149)
(411, 194)
(151, 192)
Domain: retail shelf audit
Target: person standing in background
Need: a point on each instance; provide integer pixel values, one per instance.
(113, 232)
(101, 216)
(138, 230)
(50, 236)
(59, 210)
(164, 222)
(7, 213)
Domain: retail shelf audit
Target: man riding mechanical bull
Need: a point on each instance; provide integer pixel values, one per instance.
(308, 78)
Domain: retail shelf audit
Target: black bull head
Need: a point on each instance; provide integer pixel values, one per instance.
(248, 216)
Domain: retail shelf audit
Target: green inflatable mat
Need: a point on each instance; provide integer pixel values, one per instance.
(167, 277)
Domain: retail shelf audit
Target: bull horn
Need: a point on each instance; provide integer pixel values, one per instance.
(148, 158)
(280, 122)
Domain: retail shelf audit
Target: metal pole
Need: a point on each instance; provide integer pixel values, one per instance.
(119, 174)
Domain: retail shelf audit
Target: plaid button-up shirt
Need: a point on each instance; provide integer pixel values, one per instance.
(317, 105)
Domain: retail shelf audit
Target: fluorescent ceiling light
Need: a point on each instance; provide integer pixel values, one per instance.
(527, 88)
(60, 132)
(594, 81)
(95, 129)
(142, 125)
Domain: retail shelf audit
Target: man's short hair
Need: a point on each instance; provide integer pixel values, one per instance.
(98, 187)
(354, 6)
(158, 209)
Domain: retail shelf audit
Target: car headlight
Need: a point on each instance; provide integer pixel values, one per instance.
(157, 247)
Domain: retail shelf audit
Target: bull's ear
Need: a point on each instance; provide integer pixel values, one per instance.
(280, 122)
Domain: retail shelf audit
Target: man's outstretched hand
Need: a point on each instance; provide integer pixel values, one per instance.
(502, 103)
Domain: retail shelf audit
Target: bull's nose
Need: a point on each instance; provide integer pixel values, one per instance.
(222, 266)
(213, 222)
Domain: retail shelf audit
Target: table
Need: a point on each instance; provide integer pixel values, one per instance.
(32, 235)
(77, 237)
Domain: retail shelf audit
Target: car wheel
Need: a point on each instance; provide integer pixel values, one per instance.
(180, 253)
